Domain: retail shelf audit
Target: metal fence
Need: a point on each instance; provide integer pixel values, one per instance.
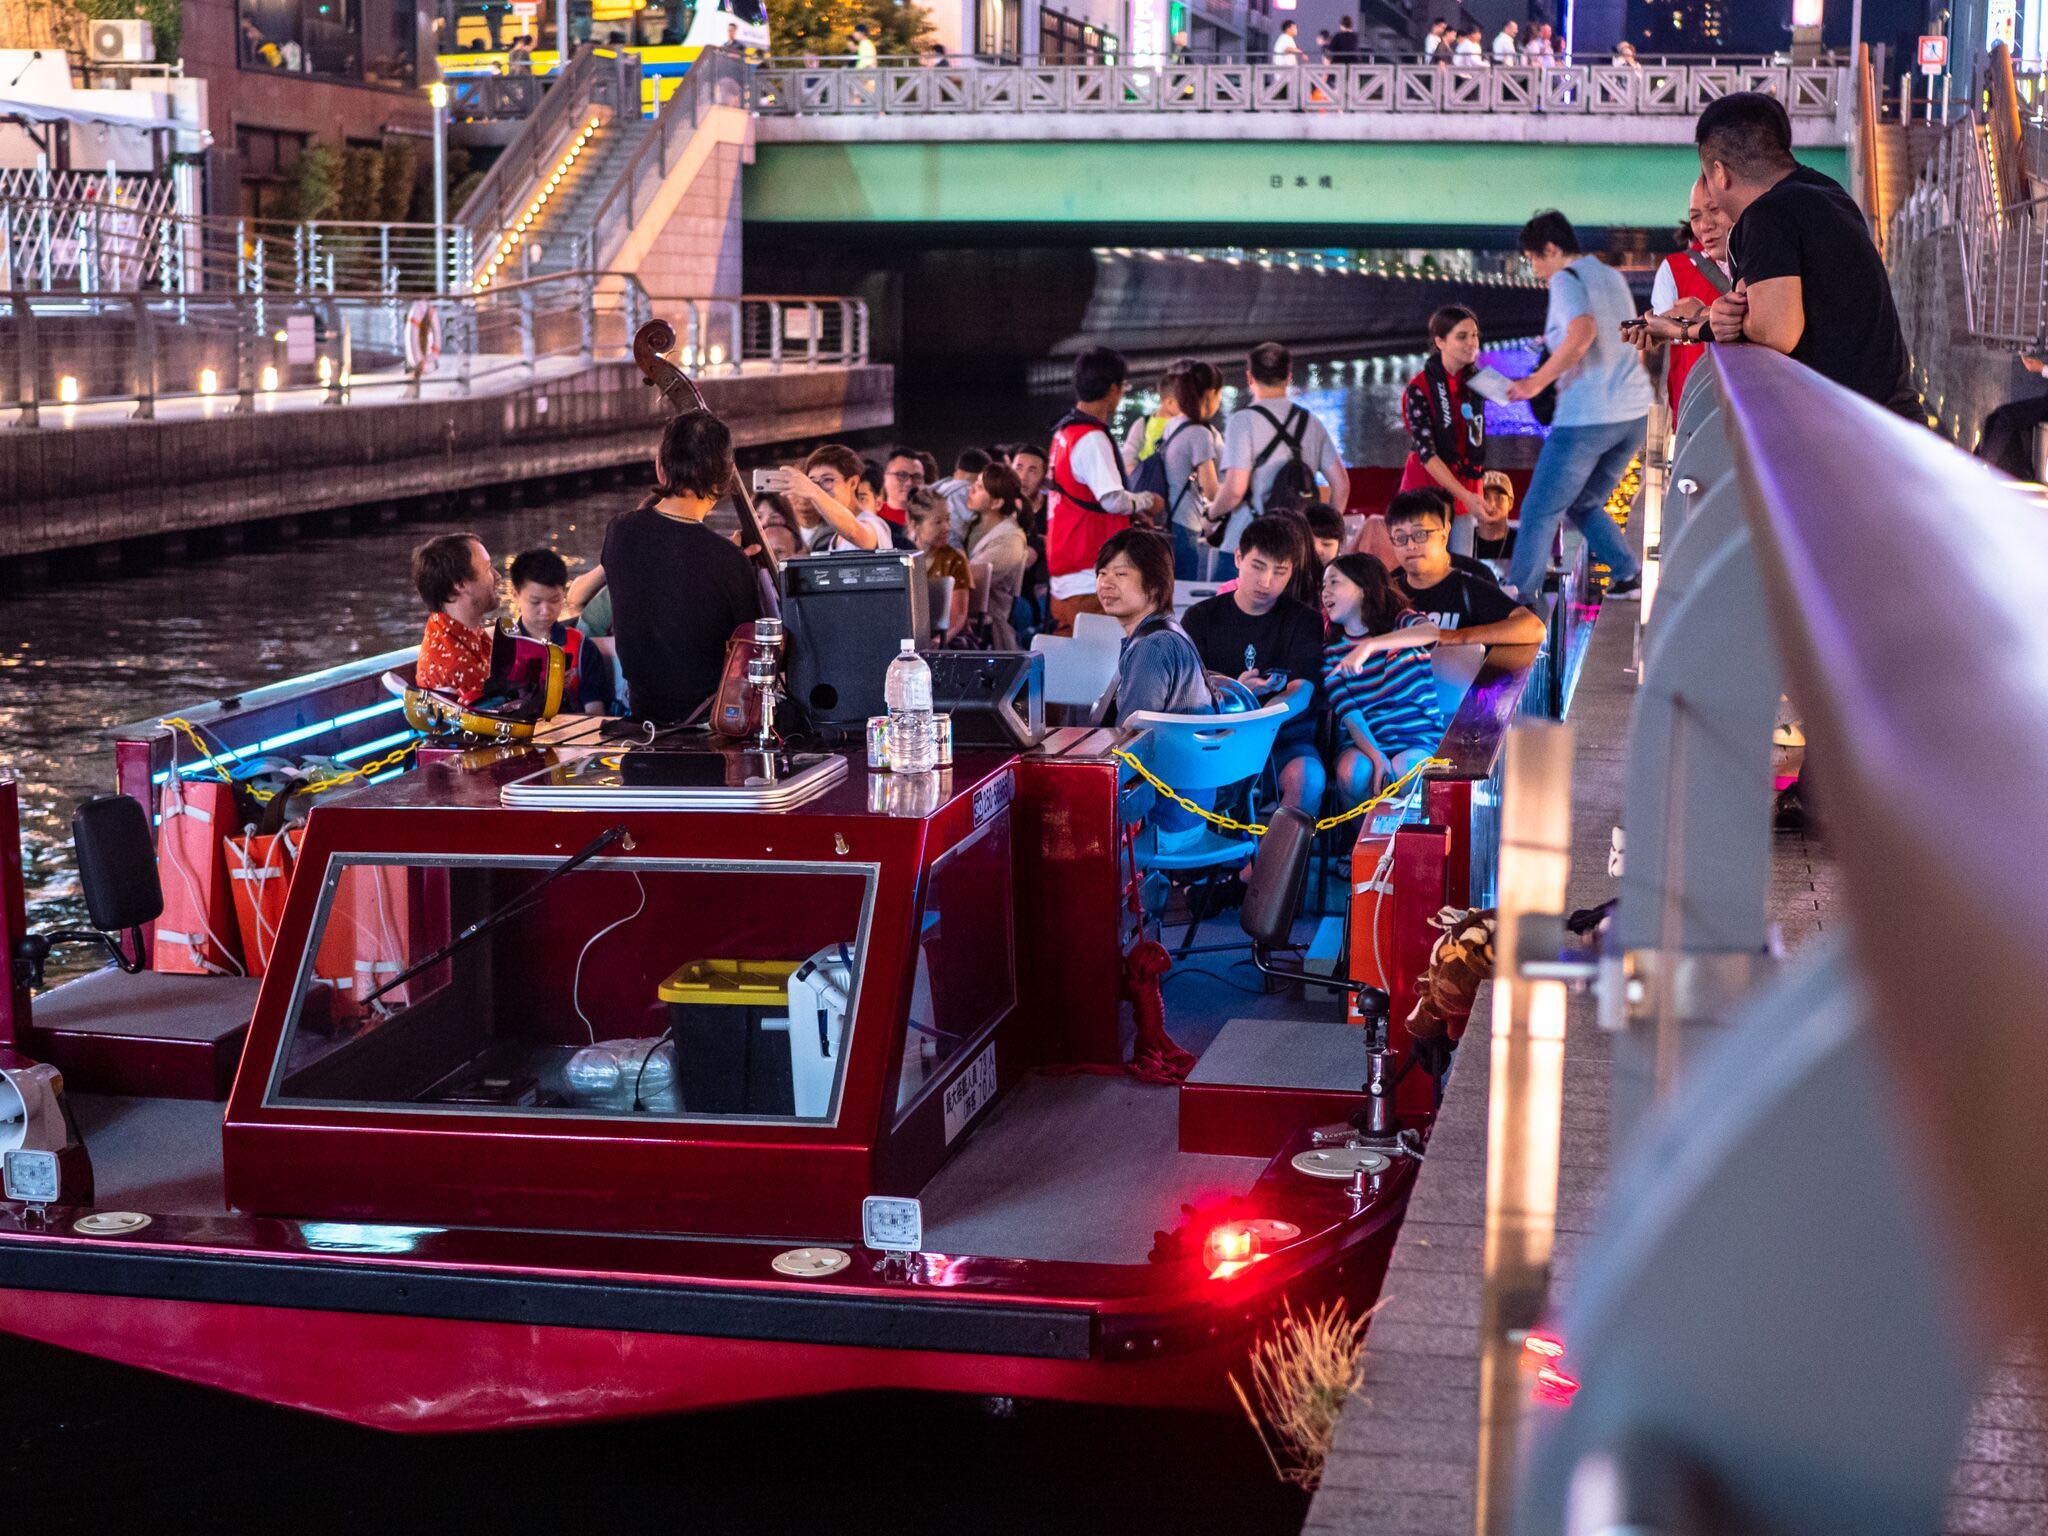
(1652, 89)
(145, 348)
(90, 245)
(2003, 247)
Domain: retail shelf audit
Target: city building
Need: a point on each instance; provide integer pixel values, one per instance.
(1678, 26)
(284, 75)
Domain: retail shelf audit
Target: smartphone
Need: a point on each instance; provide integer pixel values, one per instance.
(772, 480)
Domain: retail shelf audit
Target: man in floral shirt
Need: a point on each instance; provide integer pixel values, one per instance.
(460, 588)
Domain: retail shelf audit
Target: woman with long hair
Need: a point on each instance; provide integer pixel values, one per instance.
(996, 539)
(1446, 422)
(1377, 677)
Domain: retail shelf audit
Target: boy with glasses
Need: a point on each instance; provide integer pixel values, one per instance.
(1454, 594)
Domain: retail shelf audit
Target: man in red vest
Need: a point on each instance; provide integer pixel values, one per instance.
(1086, 500)
(1685, 288)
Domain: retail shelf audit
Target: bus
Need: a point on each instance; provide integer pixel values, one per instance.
(666, 35)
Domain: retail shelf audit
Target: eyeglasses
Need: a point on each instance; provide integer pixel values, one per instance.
(914, 476)
(1412, 537)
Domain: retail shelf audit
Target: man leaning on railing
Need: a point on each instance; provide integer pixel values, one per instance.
(1808, 278)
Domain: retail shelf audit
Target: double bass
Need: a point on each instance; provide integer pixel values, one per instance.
(736, 708)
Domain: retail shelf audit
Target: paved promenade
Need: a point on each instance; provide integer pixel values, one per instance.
(1407, 1447)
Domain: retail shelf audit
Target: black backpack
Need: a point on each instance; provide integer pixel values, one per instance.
(1150, 475)
(1294, 487)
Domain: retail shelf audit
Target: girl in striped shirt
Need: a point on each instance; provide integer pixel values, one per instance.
(1377, 677)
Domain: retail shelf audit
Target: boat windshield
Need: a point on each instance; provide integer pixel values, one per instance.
(690, 990)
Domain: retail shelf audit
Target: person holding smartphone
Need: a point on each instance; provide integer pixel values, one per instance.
(1273, 645)
(823, 494)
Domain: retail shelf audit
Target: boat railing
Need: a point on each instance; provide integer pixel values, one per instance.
(344, 713)
(1837, 1163)
(241, 353)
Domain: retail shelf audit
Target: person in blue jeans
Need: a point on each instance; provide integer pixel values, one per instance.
(1603, 408)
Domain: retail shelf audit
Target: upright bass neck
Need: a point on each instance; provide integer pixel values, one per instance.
(680, 390)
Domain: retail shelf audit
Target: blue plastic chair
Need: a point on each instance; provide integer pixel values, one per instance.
(1199, 755)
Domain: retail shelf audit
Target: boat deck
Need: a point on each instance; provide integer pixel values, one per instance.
(156, 1155)
(1078, 1167)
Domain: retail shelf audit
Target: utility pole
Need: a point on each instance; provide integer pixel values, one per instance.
(437, 93)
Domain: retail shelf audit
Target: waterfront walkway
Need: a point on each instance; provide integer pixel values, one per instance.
(1407, 1447)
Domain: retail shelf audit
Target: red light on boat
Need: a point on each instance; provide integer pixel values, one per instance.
(1554, 1386)
(1545, 1346)
(1237, 1245)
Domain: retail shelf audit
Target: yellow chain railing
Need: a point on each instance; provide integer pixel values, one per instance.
(314, 787)
(1393, 791)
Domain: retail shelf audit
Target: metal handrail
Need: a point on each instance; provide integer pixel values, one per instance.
(596, 80)
(1808, 90)
(1893, 1082)
(86, 245)
(146, 347)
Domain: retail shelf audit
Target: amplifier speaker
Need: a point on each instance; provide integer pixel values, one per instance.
(847, 617)
(996, 698)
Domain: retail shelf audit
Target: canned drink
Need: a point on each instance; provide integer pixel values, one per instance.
(942, 739)
(878, 741)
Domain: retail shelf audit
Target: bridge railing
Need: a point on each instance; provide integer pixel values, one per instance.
(1812, 1371)
(1639, 89)
(239, 353)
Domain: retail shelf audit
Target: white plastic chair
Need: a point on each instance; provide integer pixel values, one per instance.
(984, 574)
(1078, 675)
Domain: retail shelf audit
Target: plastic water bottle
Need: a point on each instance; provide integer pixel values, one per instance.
(908, 690)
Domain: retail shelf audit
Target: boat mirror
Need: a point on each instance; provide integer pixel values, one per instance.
(116, 863)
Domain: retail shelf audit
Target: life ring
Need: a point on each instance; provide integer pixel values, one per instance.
(422, 336)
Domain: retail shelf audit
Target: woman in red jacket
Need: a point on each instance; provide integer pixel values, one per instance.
(1447, 423)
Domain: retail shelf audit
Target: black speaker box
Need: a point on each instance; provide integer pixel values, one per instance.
(847, 617)
(996, 698)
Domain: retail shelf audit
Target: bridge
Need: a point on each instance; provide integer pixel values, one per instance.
(1294, 153)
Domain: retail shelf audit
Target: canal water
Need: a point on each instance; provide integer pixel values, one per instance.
(84, 1445)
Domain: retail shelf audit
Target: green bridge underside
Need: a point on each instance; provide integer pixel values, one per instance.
(1239, 187)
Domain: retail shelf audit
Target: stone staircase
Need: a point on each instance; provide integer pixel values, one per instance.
(561, 235)
(1902, 149)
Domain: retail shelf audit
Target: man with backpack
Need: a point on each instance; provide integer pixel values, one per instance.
(1086, 498)
(1273, 450)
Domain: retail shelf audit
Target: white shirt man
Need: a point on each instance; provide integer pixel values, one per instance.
(1504, 44)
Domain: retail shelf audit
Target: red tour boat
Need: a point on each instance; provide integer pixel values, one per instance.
(584, 1081)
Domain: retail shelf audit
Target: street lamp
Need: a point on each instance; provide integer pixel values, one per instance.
(437, 93)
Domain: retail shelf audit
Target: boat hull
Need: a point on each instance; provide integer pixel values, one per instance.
(426, 1375)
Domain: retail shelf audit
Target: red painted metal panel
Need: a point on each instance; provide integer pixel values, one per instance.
(1421, 890)
(643, 1173)
(1237, 1121)
(14, 1003)
(134, 1064)
(1070, 892)
(424, 1375)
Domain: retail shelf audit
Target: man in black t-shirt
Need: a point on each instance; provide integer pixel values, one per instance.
(1809, 281)
(1274, 646)
(1469, 608)
(678, 589)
